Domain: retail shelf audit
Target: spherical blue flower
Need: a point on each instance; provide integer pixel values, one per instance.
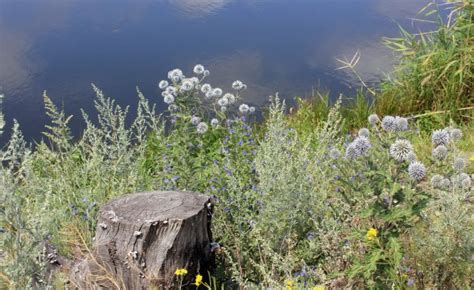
(400, 149)
(455, 134)
(440, 137)
(388, 124)
(401, 123)
(437, 181)
(195, 120)
(459, 164)
(364, 132)
(411, 157)
(202, 128)
(373, 119)
(417, 170)
(445, 184)
(440, 152)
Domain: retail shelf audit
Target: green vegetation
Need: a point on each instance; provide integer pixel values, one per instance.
(303, 200)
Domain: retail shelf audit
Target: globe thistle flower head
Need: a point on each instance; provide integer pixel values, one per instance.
(440, 152)
(168, 99)
(214, 122)
(206, 73)
(194, 81)
(205, 88)
(252, 109)
(466, 183)
(334, 153)
(223, 102)
(230, 98)
(244, 108)
(455, 134)
(445, 184)
(202, 128)
(400, 149)
(417, 170)
(163, 84)
(437, 181)
(401, 124)
(411, 157)
(388, 124)
(352, 152)
(209, 95)
(459, 163)
(363, 132)
(440, 137)
(223, 109)
(199, 69)
(195, 120)
(359, 147)
(373, 119)
(237, 85)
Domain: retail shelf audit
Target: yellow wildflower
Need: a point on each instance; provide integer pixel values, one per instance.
(318, 288)
(371, 234)
(289, 284)
(181, 272)
(472, 158)
(198, 280)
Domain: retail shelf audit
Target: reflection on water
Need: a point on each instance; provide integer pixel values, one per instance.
(272, 45)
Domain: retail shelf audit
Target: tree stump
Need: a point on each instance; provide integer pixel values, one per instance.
(142, 238)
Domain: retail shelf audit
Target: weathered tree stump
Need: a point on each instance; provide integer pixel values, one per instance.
(142, 238)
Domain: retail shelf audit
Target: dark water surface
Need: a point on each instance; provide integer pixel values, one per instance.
(272, 45)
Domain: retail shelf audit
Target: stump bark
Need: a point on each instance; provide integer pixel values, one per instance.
(142, 238)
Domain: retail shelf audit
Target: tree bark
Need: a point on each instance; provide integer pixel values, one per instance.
(142, 238)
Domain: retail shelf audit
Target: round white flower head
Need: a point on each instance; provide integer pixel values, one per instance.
(440, 152)
(334, 153)
(195, 120)
(437, 181)
(194, 80)
(364, 132)
(417, 170)
(209, 95)
(206, 88)
(187, 85)
(401, 123)
(175, 75)
(171, 90)
(223, 109)
(455, 134)
(206, 73)
(172, 108)
(163, 84)
(466, 183)
(359, 147)
(463, 176)
(237, 85)
(230, 98)
(198, 69)
(373, 119)
(202, 128)
(252, 109)
(168, 99)
(400, 149)
(459, 163)
(217, 92)
(411, 157)
(223, 102)
(440, 137)
(388, 124)
(446, 183)
(244, 108)
(214, 122)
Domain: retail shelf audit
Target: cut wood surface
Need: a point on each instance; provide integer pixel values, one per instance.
(142, 238)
